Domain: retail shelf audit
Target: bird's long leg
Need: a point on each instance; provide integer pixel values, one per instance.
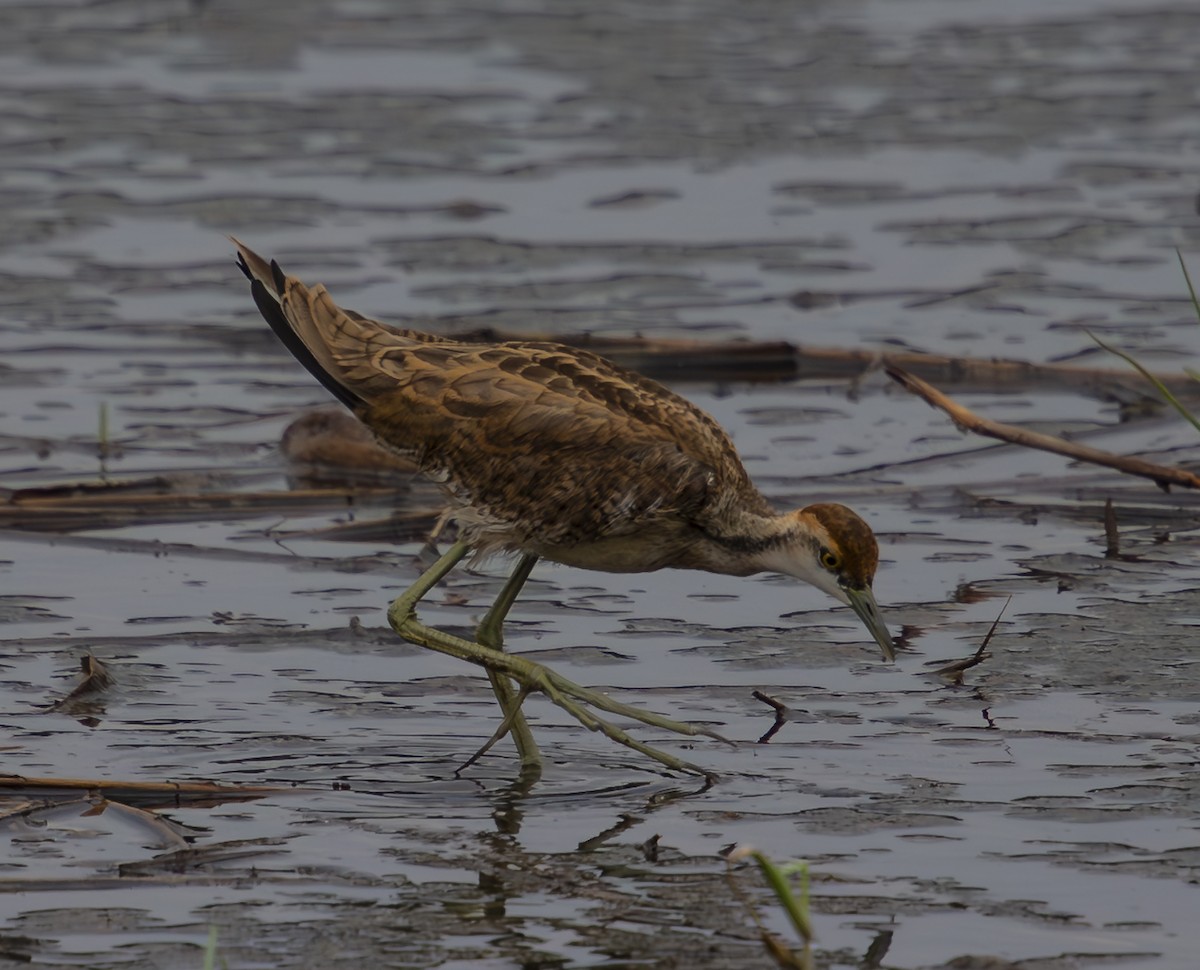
(490, 634)
(571, 697)
(402, 616)
(404, 606)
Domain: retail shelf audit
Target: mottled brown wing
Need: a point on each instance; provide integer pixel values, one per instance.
(559, 440)
(528, 442)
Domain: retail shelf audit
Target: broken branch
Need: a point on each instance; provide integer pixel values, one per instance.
(1163, 476)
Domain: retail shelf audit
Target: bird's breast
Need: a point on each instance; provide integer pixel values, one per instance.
(618, 554)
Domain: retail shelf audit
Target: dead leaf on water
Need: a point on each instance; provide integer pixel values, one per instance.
(95, 679)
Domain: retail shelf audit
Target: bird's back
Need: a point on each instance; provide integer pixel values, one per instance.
(544, 448)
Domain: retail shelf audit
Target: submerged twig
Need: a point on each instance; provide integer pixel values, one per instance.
(956, 668)
(127, 791)
(1112, 538)
(192, 858)
(676, 360)
(1162, 475)
(165, 829)
(96, 505)
(782, 714)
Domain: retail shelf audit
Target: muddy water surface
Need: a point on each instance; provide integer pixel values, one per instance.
(951, 178)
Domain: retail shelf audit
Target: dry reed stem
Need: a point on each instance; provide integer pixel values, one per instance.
(1164, 476)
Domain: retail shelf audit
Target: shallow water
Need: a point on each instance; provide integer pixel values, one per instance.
(964, 180)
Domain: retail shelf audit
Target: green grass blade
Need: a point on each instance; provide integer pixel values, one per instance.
(1187, 279)
(796, 908)
(210, 951)
(1162, 388)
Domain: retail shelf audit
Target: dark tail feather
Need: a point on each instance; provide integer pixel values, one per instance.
(272, 312)
(241, 264)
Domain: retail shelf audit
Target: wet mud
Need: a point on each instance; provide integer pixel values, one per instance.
(970, 180)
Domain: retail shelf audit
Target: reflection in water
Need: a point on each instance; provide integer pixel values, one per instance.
(508, 801)
(873, 958)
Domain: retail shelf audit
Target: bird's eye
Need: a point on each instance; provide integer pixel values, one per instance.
(829, 559)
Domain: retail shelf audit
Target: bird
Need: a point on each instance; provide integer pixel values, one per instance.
(552, 452)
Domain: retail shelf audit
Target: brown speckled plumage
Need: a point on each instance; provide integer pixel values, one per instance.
(556, 452)
(547, 445)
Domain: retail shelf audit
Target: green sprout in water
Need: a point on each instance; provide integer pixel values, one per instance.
(1162, 389)
(210, 952)
(794, 902)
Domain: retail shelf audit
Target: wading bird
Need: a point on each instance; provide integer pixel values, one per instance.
(550, 452)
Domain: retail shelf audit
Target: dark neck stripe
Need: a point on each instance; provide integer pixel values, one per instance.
(749, 545)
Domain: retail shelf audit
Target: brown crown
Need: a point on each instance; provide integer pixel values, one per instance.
(854, 538)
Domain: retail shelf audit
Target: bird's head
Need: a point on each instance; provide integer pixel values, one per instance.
(832, 548)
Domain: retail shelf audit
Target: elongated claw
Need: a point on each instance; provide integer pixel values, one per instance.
(571, 697)
(488, 652)
(503, 729)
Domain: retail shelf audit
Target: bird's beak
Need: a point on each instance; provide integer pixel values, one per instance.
(862, 601)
